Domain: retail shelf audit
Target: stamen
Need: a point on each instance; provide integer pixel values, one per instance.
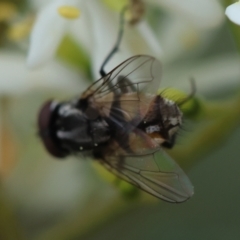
(136, 9)
(69, 12)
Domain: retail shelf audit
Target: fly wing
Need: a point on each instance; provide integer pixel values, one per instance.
(124, 94)
(146, 166)
(136, 74)
(171, 185)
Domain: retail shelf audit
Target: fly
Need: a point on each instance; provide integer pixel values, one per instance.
(123, 124)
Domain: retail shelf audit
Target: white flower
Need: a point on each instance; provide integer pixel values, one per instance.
(103, 27)
(17, 82)
(17, 79)
(189, 26)
(97, 28)
(47, 33)
(233, 12)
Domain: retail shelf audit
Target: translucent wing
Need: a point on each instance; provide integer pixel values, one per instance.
(121, 96)
(150, 169)
(138, 73)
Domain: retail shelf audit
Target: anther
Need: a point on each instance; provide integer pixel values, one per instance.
(69, 12)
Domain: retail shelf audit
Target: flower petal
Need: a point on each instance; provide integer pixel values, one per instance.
(146, 39)
(17, 79)
(204, 14)
(80, 29)
(216, 74)
(104, 28)
(104, 25)
(47, 33)
(180, 38)
(233, 12)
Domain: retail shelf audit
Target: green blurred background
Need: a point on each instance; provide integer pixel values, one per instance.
(42, 198)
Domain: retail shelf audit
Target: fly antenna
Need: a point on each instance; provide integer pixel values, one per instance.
(191, 94)
(116, 46)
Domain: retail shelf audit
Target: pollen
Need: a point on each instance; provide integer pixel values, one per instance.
(69, 12)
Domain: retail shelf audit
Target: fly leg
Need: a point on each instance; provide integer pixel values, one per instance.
(116, 46)
(190, 95)
(125, 85)
(122, 85)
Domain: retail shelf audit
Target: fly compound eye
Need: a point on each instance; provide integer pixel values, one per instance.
(46, 126)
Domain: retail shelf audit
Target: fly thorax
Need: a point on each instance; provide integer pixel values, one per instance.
(171, 114)
(171, 120)
(77, 133)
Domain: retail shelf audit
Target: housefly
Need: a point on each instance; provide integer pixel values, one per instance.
(123, 124)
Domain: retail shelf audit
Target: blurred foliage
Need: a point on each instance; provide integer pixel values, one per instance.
(9, 226)
(16, 2)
